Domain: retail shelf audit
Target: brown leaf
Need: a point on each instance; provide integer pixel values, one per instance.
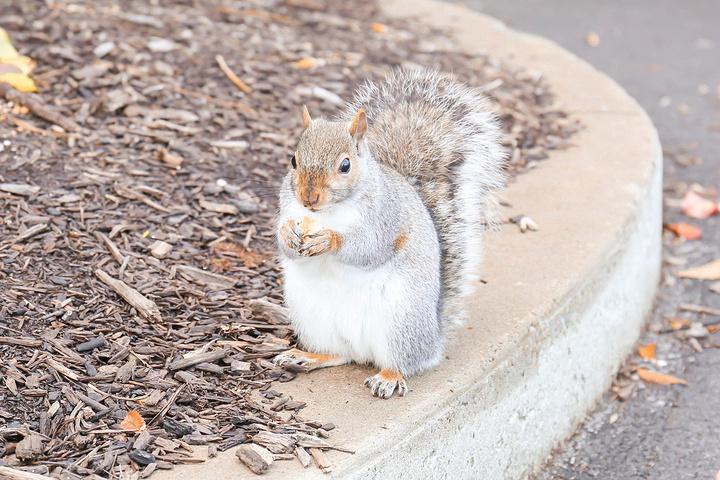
(709, 271)
(679, 323)
(651, 376)
(249, 258)
(685, 230)
(696, 206)
(647, 352)
(133, 421)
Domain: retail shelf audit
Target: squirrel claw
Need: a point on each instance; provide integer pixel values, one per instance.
(292, 363)
(385, 383)
(296, 360)
(315, 244)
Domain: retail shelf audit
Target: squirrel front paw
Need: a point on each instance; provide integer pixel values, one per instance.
(291, 235)
(384, 383)
(323, 241)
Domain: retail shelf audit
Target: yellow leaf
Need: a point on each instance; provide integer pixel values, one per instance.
(6, 46)
(647, 352)
(21, 62)
(709, 271)
(19, 81)
(650, 376)
(133, 421)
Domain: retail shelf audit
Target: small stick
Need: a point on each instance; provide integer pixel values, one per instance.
(231, 75)
(110, 245)
(38, 108)
(146, 307)
(197, 359)
(14, 474)
(700, 309)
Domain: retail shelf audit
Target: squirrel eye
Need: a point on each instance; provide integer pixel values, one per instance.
(345, 165)
(293, 162)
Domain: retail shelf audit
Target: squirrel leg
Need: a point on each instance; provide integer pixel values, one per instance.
(298, 360)
(384, 383)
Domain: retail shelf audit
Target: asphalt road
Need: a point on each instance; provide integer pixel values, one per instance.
(666, 53)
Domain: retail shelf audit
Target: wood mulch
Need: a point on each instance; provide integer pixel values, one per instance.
(137, 195)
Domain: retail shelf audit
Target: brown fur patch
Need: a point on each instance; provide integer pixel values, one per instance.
(314, 357)
(390, 375)
(358, 126)
(335, 241)
(400, 241)
(311, 184)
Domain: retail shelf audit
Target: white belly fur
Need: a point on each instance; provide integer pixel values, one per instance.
(343, 310)
(338, 308)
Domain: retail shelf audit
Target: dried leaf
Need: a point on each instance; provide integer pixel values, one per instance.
(133, 421)
(696, 206)
(15, 68)
(307, 62)
(709, 271)
(378, 27)
(592, 39)
(248, 258)
(647, 352)
(651, 376)
(679, 323)
(685, 230)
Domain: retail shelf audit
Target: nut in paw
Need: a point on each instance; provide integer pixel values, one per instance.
(385, 383)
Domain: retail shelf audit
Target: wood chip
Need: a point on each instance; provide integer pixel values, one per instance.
(160, 249)
(258, 459)
(321, 460)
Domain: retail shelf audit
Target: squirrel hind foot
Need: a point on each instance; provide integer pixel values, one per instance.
(296, 360)
(385, 383)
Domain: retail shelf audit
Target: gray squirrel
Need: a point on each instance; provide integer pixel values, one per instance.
(381, 223)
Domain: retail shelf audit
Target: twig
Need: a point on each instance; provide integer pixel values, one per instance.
(114, 250)
(231, 75)
(14, 474)
(198, 358)
(38, 108)
(700, 309)
(145, 307)
(167, 407)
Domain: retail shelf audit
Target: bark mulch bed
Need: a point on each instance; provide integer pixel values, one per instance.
(137, 265)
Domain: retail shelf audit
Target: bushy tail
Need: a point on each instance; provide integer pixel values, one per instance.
(442, 136)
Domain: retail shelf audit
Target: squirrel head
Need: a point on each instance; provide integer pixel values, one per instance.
(328, 161)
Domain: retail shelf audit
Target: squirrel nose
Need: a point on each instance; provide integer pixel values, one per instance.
(311, 199)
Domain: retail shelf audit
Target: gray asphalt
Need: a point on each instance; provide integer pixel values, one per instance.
(666, 53)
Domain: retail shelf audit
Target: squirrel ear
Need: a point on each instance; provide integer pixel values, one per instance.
(358, 126)
(306, 117)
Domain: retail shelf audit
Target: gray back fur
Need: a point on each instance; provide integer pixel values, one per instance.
(442, 137)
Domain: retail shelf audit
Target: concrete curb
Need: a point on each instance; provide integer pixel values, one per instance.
(562, 310)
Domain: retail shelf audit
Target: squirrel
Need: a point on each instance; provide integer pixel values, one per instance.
(381, 222)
